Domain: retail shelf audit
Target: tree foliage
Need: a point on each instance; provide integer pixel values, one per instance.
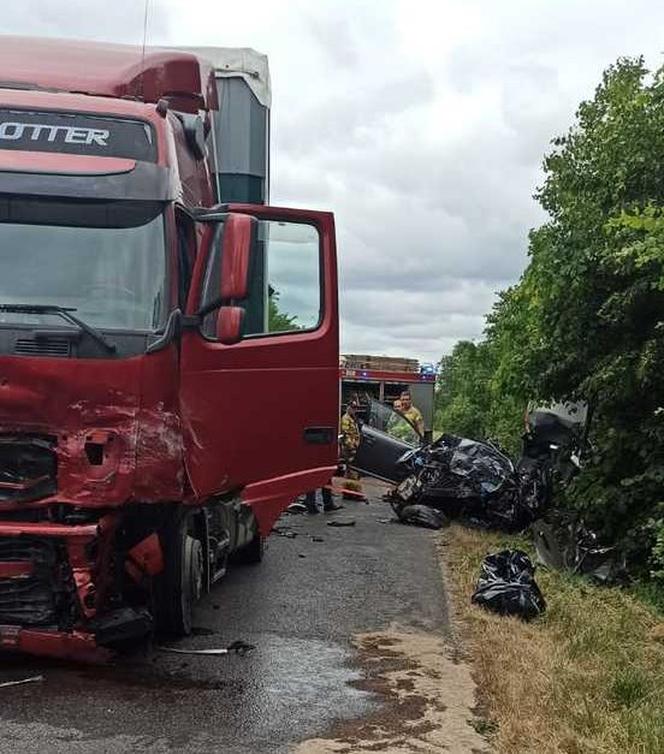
(586, 319)
(468, 400)
(278, 321)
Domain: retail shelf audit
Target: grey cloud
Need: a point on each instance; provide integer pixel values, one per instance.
(393, 320)
(345, 119)
(425, 141)
(337, 38)
(401, 311)
(116, 21)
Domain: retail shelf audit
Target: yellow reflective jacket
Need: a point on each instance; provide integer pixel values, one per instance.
(414, 416)
(350, 435)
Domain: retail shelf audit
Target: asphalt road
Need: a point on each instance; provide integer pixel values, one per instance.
(299, 608)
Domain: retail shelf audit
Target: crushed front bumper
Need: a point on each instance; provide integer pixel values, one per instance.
(76, 645)
(24, 584)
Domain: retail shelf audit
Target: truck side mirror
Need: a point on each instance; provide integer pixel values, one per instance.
(225, 293)
(229, 324)
(239, 233)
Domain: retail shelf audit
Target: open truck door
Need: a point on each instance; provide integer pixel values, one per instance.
(260, 394)
(385, 435)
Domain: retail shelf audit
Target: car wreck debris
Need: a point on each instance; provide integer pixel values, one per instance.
(563, 542)
(296, 508)
(422, 515)
(284, 531)
(506, 585)
(237, 647)
(471, 479)
(32, 679)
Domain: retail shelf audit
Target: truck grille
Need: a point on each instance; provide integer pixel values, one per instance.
(31, 599)
(27, 468)
(42, 346)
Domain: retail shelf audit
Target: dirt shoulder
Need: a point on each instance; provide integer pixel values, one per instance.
(427, 699)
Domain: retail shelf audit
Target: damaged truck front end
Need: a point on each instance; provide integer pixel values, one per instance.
(91, 448)
(128, 471)
(85, 473)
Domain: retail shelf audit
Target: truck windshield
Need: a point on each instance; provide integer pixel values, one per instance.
(106, 260)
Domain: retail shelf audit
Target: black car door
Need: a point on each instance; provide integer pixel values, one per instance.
(385, 436)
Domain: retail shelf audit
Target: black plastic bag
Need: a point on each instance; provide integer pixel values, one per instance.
(507, 586)
(422, 515)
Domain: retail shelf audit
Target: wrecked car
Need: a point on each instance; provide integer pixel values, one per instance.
(473, 479)
(467, 479)
(457, 476)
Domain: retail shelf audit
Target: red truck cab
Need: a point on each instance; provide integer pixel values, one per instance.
(168, 364)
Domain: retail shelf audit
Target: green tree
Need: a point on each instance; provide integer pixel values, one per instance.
(469, 401)
(597, 269)
(279, 321)
(586, 319)
(463, 392)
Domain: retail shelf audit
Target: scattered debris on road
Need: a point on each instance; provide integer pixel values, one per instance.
(285, 531)
(317, 539)
(32, 679)
(507, 586)
(296, 508)
(341, 522)
(237, 647)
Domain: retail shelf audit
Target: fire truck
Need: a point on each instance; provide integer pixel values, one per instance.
(385, 378)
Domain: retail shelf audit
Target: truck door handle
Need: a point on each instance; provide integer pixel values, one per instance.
(320, 435)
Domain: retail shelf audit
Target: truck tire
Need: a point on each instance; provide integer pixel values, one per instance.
(254, 552)
(181, 584)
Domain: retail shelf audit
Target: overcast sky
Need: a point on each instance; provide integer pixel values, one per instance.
(422, 125)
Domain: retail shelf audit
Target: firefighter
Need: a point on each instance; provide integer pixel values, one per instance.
(350, 431)
(412, 413)
(328, 504)
(350, 442)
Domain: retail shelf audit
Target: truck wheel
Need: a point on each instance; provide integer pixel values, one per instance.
(254, 552)
(181, 584)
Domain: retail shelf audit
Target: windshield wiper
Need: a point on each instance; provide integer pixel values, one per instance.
(66, 313)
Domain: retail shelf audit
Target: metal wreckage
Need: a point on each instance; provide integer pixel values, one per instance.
(465, 478)
(469, 479)
(478, 482)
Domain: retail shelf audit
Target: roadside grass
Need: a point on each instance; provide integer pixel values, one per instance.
(588, 676)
